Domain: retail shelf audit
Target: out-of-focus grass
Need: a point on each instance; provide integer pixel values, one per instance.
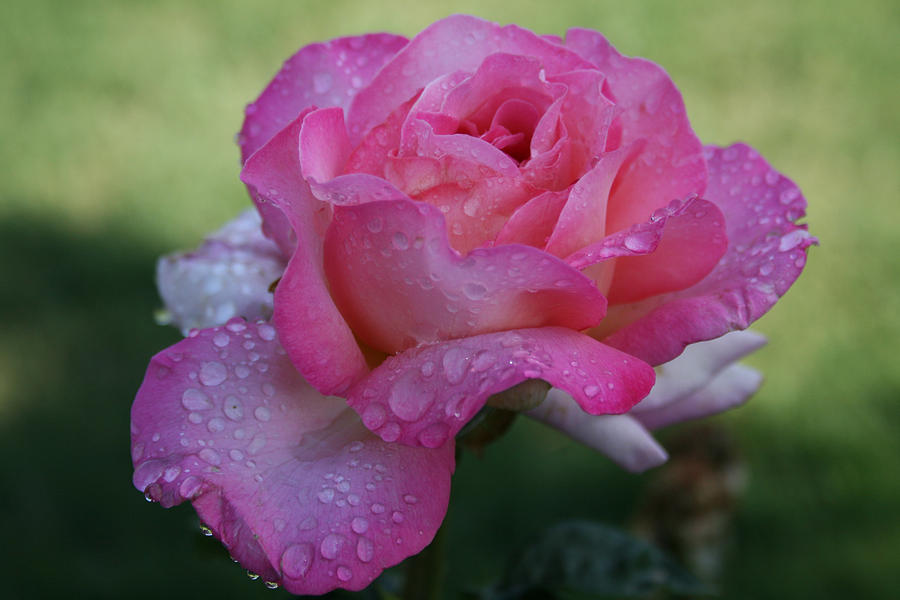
(116, 120)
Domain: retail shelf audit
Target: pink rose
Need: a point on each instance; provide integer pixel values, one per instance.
(459, 213)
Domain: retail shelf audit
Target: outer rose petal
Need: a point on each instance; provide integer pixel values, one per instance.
(289, 480)
(620, 437)
(311, 329)
(729, 389)
(228, 276)
(696, 367)
(398, 282)
(459, 42)
(764, 257)
(425, 395)
(701, 382)
(328, 74)
(671, 163)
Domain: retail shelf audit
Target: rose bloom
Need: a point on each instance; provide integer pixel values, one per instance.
(447, 217)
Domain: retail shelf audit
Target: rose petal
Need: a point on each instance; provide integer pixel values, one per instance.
(329, 74)
(730, 388)
(459, 42)
(289, 480)
(696, 367)
(671, 163)
(583, 218)
(229, 275)
(399, 284)
(764, 257)
(533, 222)
(426, 394)
(324, 146)
(310, 326)
(476, 185)
(620, 437)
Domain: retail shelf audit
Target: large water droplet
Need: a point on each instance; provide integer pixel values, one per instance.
(455, 365)
(640, 242)
(213, 373)
(359, 525)
(296, 560)
(262, 413)
(344, 573)
(234, 409)
(193, 399)
(331, 546)
(365, 549)
(474, 290)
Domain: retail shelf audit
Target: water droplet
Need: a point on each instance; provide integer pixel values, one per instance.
(210, 456)
(270, 585)
(390, 432)
(408, 403)
(591, 390)
(205, 530)
(455, 365)
(235, 455)
(242, 371)
(190, 487)
(474, 290)
(221, 339)
(296, 560)
(322, 82)
(344, 573)
(194, 399)
(253, 576)
(375, 225)
(483, 360)
(427, 369)
(397, 517)
(359, 525)
(377, 509)
(766, 269)
(410, 499)
(356, 446)
(365, 549)
(213, 373)
(434, 435)
(400, 241)
(234, 409)
(266, 332)
(262, 413)
(331, 546)
(326, 495)
(640, 242)
(215, 425)
(374, 416)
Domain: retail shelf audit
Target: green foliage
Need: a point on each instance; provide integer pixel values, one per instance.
(581, 560)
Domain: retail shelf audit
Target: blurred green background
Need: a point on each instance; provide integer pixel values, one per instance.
(117, 122)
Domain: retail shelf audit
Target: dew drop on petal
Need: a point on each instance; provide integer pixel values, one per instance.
(296, 560)
(213, 373)
(331, 546)
(194, 399)
(365, 549)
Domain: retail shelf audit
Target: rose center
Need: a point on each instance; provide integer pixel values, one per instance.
(510, 128)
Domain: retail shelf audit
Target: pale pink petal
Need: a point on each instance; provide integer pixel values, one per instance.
(289, 480)
(696, 367)
(729, 389)
(399, 283)
(620, 437)
(671, 163)
(228, 276)
(424, 395)
(318, 75)
(766, 253)
(456, 43)
(533, 222)
(310, 326)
